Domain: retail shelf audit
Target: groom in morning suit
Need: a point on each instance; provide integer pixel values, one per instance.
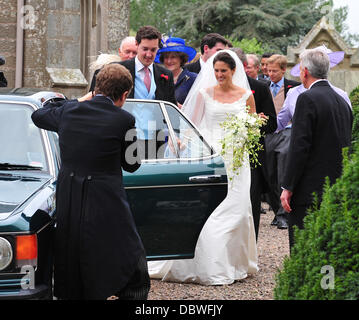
(159, 81)
(148, 40)
(322, 126)
(151, 82)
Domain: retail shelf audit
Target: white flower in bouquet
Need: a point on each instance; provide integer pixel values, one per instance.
(242, 138)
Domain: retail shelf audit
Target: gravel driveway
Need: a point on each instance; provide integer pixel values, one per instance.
(273, 246)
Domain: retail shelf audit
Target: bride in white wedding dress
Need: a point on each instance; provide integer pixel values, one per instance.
(226, 248)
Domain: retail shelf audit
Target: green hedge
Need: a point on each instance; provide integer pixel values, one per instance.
(326, 251)
(354, 98)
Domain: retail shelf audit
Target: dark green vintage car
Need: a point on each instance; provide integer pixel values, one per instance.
(171, 194)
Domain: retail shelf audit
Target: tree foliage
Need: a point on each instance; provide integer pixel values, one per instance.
(340, 15)
(154, 12)
(249, 45)
(274, 23)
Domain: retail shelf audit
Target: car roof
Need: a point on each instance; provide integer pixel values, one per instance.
(36, 96)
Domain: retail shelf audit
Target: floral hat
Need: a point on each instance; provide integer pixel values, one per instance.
(334, 58)
(172, 44)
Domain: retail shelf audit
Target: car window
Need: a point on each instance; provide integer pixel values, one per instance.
(20, 140)
(153, 136)
(191, 143)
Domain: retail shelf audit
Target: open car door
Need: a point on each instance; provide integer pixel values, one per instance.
(178, 184)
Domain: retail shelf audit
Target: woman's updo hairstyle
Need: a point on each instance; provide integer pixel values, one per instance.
(226, 58)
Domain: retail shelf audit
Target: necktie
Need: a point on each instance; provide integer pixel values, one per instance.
(147, 79)
(275, 88)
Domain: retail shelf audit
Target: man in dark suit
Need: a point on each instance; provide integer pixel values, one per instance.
(210, 44)
(265, 108)
(322, 126)
(264, 72)
(278, 143)
(98, 252)
(259, 175)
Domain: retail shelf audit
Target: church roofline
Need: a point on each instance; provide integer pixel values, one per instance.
(322, 24)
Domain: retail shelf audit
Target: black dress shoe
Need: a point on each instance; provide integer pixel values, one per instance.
(282, 223)
(274, 221)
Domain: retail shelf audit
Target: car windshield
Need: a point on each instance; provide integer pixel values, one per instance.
(21, 145)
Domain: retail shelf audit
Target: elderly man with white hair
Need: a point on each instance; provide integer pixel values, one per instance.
(128, 48)
(322, 125)
(252, 67)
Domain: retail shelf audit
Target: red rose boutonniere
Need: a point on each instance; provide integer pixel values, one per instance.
(289, 86)
(164, 76)
(253, 92)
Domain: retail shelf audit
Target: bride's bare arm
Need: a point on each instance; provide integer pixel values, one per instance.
(251, 103)
(198, 112)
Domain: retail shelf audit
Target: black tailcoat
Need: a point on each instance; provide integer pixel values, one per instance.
(322, 125)
(97, 246)
(3, 81)
(194, 66)
(259, 175)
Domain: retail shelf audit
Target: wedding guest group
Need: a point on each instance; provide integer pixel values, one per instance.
(94, 221)
(321, 128)
(307, 125)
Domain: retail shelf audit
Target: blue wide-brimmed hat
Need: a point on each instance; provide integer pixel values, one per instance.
(172, 44)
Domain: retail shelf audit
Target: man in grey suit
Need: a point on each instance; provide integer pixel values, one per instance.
(321, 128)
(277, 143)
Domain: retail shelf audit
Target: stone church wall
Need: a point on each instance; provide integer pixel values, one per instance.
(60, 39)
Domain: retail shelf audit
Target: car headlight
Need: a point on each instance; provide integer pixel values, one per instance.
(5, 253)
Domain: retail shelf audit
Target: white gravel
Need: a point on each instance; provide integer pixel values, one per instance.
(273, 246)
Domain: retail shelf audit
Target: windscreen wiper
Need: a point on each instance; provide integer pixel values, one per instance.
(14, 166)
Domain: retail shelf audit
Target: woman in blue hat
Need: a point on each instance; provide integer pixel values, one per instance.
(174, 55)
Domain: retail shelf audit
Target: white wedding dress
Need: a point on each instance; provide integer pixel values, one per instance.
(226, 248)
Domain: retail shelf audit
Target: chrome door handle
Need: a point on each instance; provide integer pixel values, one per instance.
(205, 179)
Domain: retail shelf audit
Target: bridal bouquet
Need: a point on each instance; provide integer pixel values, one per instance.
(241, 138)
